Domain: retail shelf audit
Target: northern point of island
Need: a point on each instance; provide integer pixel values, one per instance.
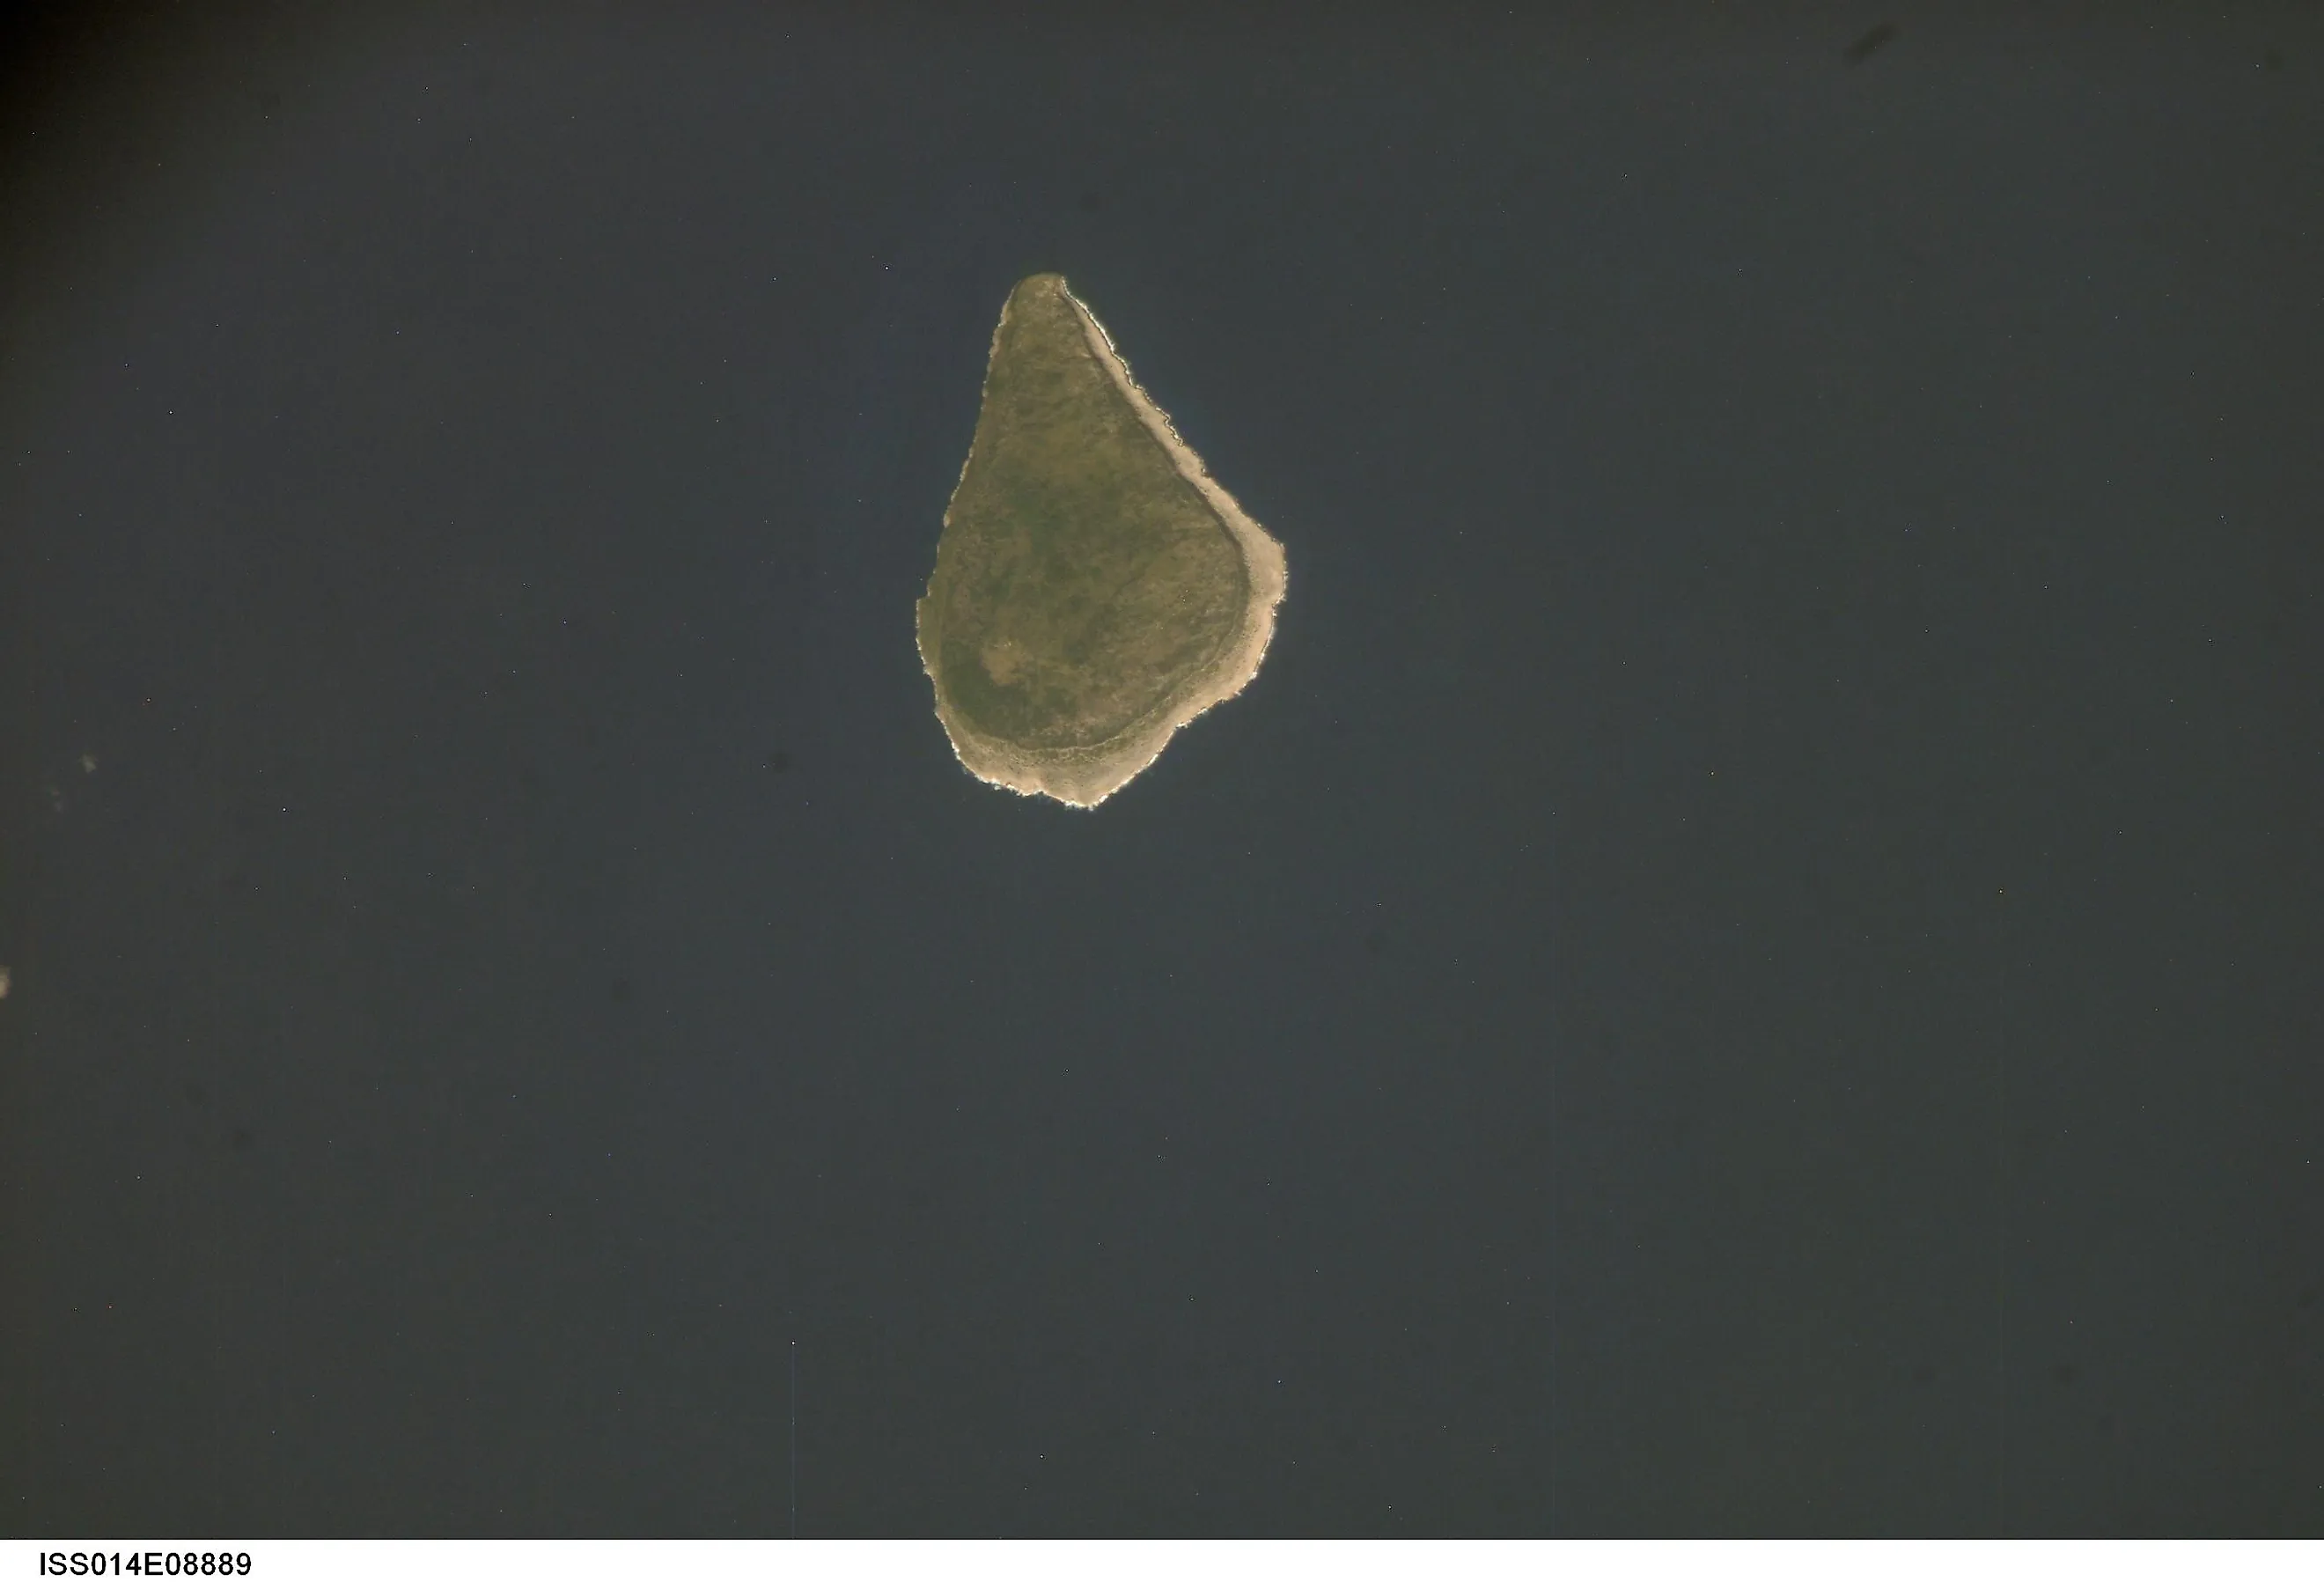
(1094, 588)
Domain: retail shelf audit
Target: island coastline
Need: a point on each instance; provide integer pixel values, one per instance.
(1085, 775)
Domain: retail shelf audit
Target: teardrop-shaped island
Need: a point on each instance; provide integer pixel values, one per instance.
(1094, 588)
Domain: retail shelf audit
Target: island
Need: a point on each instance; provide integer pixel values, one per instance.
(1094, 588)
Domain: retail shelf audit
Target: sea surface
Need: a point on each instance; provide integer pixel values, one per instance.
(1747, 964)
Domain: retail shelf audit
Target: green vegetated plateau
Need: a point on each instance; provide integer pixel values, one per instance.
(1094, 589)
